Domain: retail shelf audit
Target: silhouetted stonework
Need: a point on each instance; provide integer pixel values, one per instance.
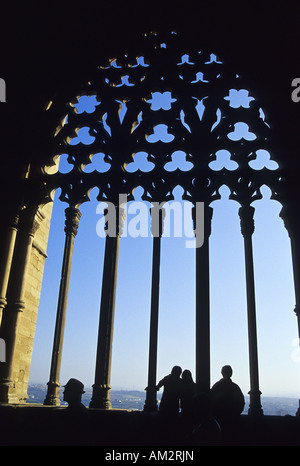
(110, 57)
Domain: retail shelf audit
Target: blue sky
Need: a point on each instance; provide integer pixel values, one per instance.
(279, 364)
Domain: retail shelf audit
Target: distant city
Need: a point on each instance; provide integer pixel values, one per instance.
(135, 400)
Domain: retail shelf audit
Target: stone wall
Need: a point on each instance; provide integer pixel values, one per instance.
(28, 318)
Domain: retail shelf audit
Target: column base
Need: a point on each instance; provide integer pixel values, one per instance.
(101, 397)
(5, 396)
(52, 397)
(150, 405)
(255, 408)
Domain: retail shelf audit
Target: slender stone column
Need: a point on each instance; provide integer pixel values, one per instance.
(73, 215)
(7, 250)
(157, 216)
(29, 223)
(101, 388)
(246, 214)
(290, 215)
(203, 305)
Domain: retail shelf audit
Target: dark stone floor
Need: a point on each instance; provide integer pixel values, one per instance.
(47, 426)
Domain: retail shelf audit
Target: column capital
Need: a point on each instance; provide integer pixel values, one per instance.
(246, 214)
(290, 216)
(13, 220)
(30, 219)
(73, 216)
(10, 215)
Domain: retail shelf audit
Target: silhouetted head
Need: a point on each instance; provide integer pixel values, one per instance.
(73, 392)
(226, 372)
(176, 371)
(187, 375)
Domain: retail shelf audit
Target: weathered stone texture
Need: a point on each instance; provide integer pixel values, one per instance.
(28, 318)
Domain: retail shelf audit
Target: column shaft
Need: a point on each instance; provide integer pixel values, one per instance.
(295, 248)
(247, 227)
(151, 393)
(290, 216)
(203, 306)
(71, 225)
(15, 299)
(8, 245)
(101, 388)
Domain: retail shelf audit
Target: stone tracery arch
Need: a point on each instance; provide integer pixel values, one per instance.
(209, 108)
(208, 111)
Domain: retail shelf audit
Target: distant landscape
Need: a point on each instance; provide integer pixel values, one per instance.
(134, 400)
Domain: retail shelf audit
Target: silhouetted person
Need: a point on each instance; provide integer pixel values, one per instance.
(172, 383)
(188, 392)
(73, 392)
(75, 422)
(227, 398)
(205, 430)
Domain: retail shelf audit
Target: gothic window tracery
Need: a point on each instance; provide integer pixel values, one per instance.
(169, 115)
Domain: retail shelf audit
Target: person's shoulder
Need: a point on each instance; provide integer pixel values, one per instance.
(237, 387)
(165, 379)
(217, 384)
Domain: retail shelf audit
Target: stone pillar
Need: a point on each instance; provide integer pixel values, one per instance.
(8, 244)
(29, 223)
(101, 388)
(290, 215)
(246, 214)
(203, 305)
(73, 215)
(157, 217)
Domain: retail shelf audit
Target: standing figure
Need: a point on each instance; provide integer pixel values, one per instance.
(73, 392)
(172, 384)
(227, 398)
(188, 393)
